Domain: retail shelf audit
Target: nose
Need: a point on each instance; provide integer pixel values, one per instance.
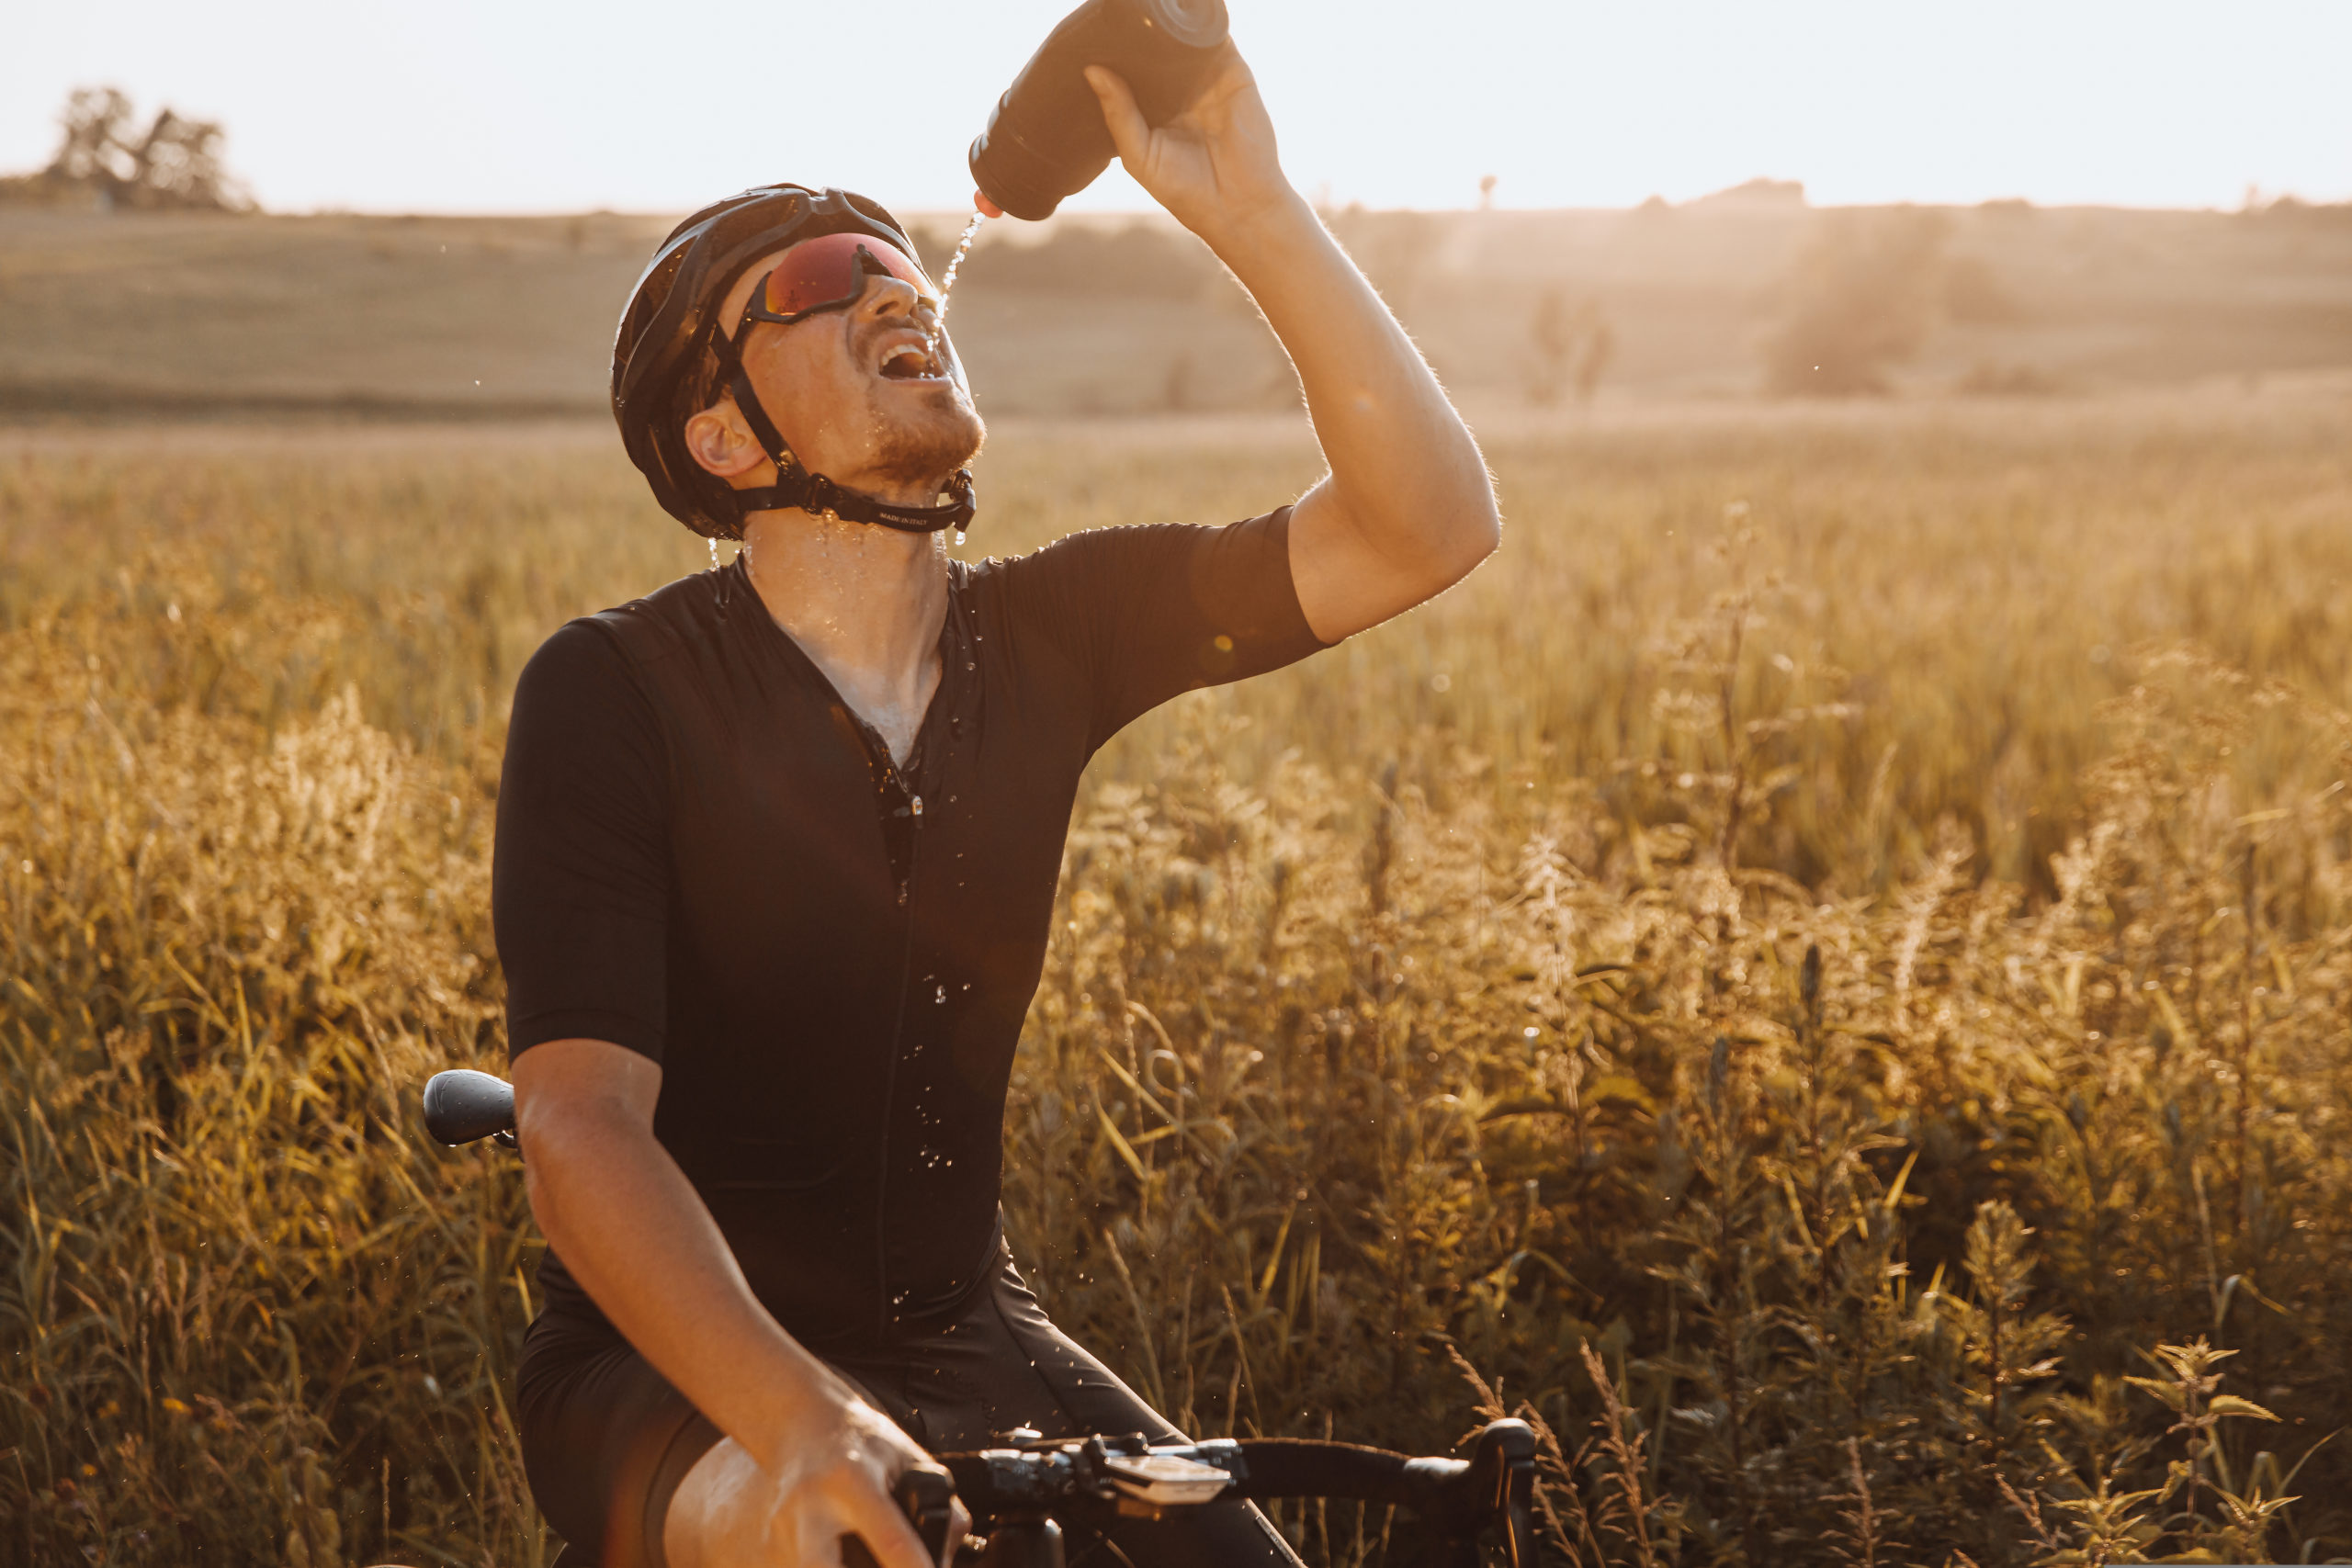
(887, 297)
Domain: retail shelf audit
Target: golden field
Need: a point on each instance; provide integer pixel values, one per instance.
(1812, 972)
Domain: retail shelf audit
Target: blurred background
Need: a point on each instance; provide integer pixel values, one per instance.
(1565, 202)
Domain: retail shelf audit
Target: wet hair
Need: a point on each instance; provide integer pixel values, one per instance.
(701, 385)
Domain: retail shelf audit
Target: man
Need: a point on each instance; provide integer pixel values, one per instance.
(777, 850)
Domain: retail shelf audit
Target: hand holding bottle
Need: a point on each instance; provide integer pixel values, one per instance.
(1214, 166)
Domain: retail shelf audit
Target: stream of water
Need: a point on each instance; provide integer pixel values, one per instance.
(955, 264)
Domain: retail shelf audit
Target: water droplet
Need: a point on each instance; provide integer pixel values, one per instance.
(959, 538)
(713, 542)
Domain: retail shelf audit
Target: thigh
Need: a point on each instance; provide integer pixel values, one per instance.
(1002, 1365)
(1223, 1535)
(605, 1441)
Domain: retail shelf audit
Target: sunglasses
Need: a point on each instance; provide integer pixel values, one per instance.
(829, 274)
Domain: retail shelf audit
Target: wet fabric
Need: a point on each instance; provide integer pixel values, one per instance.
(606, 1440)
(702, 857)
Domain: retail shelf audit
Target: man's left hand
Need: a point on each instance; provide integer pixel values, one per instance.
(1214, 166)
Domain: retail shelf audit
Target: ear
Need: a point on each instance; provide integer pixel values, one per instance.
(722, 443)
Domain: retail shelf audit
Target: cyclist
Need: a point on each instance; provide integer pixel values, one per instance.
(777, 848)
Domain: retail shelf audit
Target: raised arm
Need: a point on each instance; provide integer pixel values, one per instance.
(1407, 510)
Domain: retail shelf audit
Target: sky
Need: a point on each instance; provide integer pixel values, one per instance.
(517, 106)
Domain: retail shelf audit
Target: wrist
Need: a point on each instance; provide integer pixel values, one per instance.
(803, 1411)
(1270, 234)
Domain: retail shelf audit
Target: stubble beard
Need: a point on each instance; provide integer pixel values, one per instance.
(924, 445)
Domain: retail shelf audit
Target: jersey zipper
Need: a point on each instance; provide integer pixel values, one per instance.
(887, 1307)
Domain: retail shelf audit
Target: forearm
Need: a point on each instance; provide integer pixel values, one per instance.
(1404, 468)
(634, 1233)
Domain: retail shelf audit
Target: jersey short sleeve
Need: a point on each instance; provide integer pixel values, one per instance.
(579, 883)
(1148, 612)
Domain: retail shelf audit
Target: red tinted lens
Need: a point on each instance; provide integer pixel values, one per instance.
(825, 271)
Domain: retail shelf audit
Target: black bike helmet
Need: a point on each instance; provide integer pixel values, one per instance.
(672, 321)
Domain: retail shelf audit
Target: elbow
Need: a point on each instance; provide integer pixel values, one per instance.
(1475, 529)
(1487, 529)
(1477, 533)
(564, 1140)
(547, 1169)
(1452, 541)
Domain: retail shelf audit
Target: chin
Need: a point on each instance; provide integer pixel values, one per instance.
(927, 442)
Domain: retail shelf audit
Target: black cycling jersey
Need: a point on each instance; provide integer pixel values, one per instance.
(702, 855)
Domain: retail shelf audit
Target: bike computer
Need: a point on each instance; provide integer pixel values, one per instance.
(1164, 1480)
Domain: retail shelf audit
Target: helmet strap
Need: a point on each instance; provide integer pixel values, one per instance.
(797, 487)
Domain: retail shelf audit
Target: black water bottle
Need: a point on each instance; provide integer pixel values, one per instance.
(1046, 139)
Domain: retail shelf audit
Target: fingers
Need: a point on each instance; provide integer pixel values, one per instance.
(959, 1525)
(919, 1489)
(873, 1515)
(1129, 133)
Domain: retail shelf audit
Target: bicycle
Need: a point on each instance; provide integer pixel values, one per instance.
(1021, 1496)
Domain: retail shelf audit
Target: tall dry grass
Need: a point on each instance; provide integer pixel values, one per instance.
(1823, 975)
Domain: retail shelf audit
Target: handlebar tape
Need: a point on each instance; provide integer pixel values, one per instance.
(1284, 1467)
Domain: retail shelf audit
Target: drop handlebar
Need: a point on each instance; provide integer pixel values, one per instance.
(1019, 1499)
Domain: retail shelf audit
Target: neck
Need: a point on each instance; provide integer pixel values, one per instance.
(865, 603)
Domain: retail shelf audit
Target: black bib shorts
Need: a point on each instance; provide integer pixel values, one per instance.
(606, 1440)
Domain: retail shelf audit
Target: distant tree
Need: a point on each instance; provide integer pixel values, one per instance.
(105, 157)
(1861, 299)
(1573, 345)
(1756, 196)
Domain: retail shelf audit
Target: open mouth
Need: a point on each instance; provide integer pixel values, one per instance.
(911, 362)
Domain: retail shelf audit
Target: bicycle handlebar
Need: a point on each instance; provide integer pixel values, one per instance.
(1017, 1496)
